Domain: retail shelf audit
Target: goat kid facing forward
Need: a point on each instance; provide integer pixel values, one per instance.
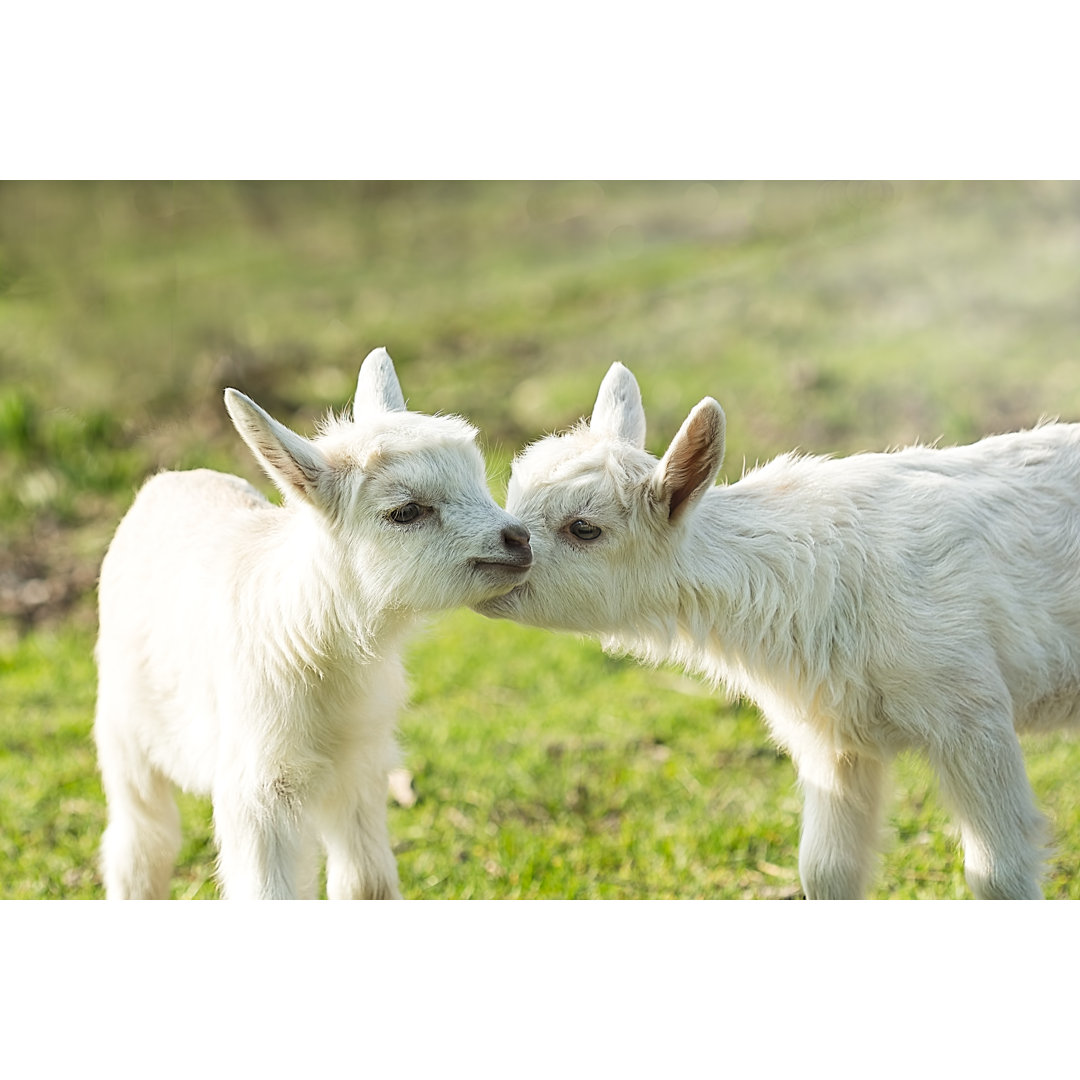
(253, 652)
(925, 599)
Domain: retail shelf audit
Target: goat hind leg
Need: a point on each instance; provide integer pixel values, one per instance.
(1003, 833)
(142, 838)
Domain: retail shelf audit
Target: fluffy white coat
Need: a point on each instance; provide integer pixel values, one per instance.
(252, 652)
(925, 599)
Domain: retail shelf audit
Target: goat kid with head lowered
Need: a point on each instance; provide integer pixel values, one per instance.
(252, 652)
(922, 599)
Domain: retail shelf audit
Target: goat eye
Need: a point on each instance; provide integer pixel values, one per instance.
(407, 514)
(584, 531)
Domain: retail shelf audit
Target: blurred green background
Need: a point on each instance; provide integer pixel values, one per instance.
(832, 317)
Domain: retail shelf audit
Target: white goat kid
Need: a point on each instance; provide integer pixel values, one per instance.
(925, 599)
(253, 652)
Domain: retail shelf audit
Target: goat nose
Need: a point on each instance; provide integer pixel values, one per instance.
(515, 536)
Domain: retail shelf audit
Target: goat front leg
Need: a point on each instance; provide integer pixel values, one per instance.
(841, 824)
(260, 847)
(360, 863)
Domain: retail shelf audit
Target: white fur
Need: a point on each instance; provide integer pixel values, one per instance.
(252, 652)
(925, 599)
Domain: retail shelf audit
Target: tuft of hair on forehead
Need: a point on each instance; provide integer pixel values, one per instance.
(579, 454)
(369, 438)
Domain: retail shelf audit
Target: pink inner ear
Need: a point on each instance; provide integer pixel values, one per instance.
(302, 473)
(691, 462)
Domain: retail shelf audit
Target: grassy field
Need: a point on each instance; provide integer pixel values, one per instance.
(829, 317)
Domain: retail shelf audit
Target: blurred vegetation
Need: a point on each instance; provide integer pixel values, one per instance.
(831, 317)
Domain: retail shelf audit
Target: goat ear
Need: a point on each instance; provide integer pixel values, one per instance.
(693, 459)
(377, 386)
(617, 413)
(294, 464)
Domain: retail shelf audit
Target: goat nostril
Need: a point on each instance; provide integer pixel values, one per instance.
(516, 536)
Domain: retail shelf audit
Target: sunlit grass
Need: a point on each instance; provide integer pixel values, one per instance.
(541, 768)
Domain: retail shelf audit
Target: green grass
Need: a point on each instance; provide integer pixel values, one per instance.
(542, 768)
(833, 318)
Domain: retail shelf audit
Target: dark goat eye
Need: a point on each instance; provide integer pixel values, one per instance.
(407, 514)
(584, 531)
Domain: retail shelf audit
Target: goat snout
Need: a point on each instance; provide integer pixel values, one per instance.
(516, 537)
(516, 542)
(516, 554)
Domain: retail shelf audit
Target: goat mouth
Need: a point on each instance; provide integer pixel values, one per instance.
(515, 567)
